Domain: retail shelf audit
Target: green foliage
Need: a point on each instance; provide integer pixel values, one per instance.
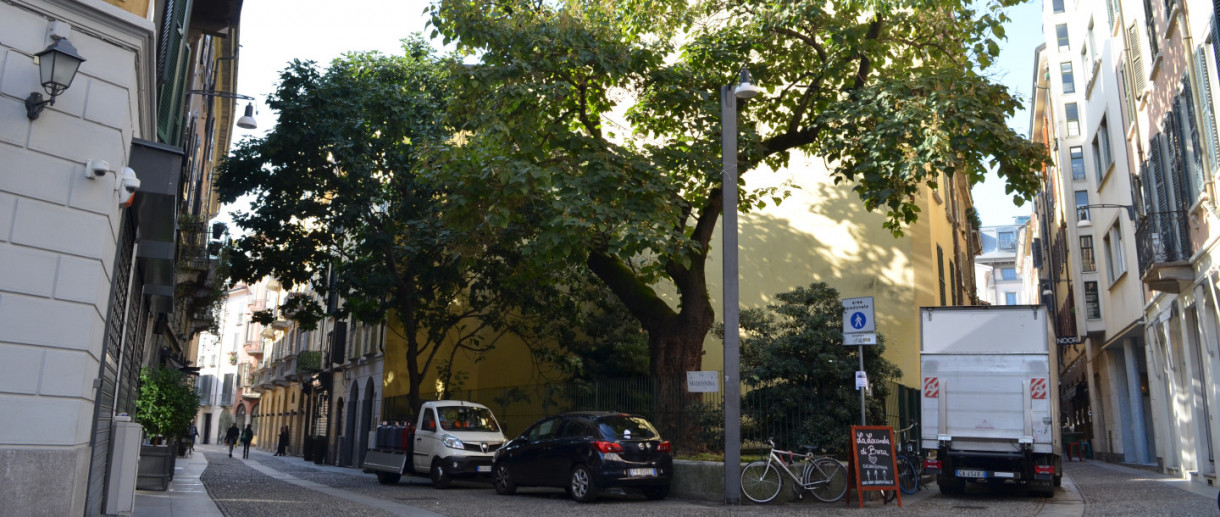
(890, 93)
(800, 376)
(343, 202)
(166, 403)
(309, 361)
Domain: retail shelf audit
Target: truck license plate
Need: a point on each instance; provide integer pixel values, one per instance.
(484, 468)
(978, 474)
(642, 472)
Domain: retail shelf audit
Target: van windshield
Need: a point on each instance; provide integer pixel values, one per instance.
(466, 418)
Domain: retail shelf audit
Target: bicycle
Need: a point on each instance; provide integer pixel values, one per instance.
(909, 463)
(823, 476)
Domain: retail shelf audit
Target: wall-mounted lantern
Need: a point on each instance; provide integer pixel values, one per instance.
(57, 66)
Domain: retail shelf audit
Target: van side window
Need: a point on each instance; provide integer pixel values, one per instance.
(429, 421)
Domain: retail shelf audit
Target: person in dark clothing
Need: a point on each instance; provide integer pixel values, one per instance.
(231, 437)
(281, 449)
(247, 435)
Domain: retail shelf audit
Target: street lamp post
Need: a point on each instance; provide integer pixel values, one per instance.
(729, 94)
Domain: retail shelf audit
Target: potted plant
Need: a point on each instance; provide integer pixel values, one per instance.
(166, 404)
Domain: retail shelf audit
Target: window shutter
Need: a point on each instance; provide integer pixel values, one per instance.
(171, 70)
(1192, 153)
(1135, 54)
(1207, 109)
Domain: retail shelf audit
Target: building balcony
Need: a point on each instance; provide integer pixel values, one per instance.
(254, 347)
(1163, 243)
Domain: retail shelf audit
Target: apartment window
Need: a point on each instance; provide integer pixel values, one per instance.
(1008, 274)
(1077, 153)
(1136, 55)
(1007, 240)
(1088, 262)
(1150, 26)
(1069, 82)
(1102, 158)
(1057, 5)
(1092, 49)
(1010, 298)
(1110, 9)
(1061, 32)
(1116, 264)
(940, 267)
(1073, 119)
(1082, 199)
(1092, 303)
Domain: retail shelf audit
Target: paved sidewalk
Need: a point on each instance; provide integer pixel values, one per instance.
(186, 496)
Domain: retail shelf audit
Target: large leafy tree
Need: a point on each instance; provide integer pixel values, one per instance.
(338, 204)
(594, 126)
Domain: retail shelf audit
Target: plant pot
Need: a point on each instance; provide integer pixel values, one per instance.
(319, 450)
(307, 448)
(156, 467)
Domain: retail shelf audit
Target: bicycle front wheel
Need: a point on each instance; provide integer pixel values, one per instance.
(761, 481)
(908, 477)
(826, 478)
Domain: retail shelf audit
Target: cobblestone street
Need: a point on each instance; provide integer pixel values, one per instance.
(265, 485)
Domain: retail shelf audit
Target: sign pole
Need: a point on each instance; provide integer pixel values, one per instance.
(862, 389)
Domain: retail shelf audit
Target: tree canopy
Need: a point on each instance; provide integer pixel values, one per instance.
(594, 127)
(339, 206)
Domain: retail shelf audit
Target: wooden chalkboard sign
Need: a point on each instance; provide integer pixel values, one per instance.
(876, 466)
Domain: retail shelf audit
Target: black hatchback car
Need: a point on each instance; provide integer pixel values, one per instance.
(586, 452)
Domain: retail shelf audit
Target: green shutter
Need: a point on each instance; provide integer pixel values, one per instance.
(172, 63)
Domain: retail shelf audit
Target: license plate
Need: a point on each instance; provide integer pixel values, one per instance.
(980, 474)
(484, 468)
(641, 472)
(1009, 475)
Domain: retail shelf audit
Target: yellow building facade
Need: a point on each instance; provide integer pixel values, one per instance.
(822, 233)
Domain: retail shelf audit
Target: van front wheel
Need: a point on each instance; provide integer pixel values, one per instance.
(440, 476)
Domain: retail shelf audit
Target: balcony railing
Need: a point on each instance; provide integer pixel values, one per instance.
(254, 347)
(1163, 243)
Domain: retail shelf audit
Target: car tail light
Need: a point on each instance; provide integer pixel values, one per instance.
(1044, 469)
(605, 447)
(664, 447)
(931, 464)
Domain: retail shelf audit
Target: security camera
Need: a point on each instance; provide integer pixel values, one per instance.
(96, 168)
(130, 182)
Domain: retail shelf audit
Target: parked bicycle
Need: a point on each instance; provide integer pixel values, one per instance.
(909, 462)
(821, 475)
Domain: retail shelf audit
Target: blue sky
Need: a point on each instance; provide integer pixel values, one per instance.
(276, 31)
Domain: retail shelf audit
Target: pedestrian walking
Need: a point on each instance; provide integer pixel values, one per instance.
(231, 437)
(281, 448)
(247, 435)
(192, 432)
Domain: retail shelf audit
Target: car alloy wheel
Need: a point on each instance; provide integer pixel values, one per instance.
(581, 485)
(503, 479)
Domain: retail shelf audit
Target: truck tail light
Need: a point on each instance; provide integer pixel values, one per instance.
(604, 447)
(1044, 469)
(931, 464)
(664, 447)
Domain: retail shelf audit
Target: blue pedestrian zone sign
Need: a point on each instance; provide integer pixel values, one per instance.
(858, 315)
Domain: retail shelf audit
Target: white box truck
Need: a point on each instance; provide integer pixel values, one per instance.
(990, 407)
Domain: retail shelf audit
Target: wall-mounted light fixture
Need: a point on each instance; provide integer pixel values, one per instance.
(1082, 213)
(247, 120)
(57, 66)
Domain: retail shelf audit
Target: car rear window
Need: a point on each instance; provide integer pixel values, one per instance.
(626, 427)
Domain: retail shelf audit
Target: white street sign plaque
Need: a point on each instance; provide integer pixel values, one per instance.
(702, 382)
(860, 339)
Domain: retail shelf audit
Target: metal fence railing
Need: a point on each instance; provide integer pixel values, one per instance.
(693, 422)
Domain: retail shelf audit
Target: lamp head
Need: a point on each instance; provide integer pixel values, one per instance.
(746, 88)
(57, 66)
(247, 120)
